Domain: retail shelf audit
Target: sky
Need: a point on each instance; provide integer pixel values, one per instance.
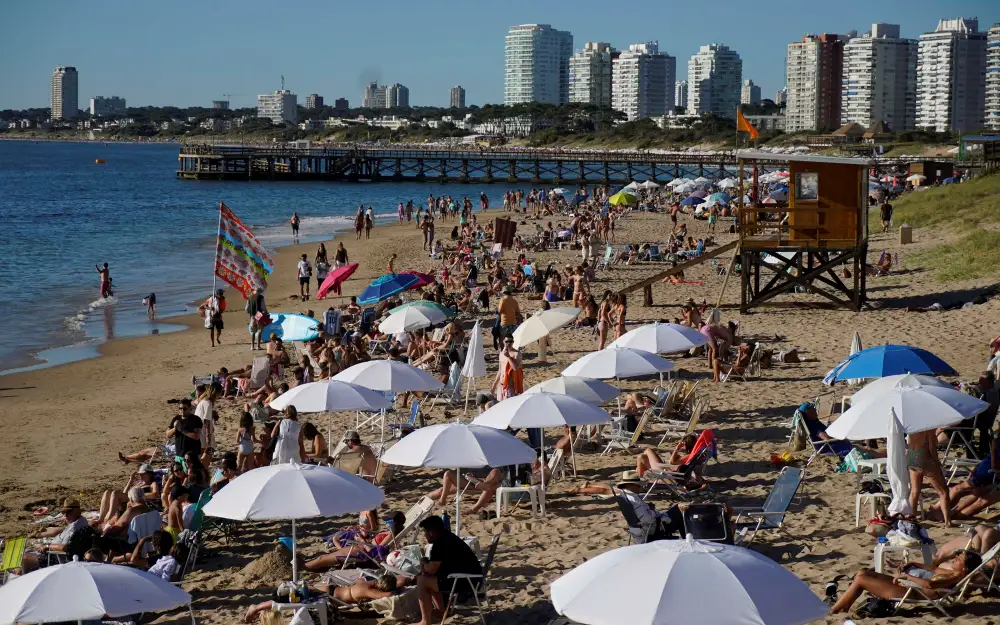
(188, 53)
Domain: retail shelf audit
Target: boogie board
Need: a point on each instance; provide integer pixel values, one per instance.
(292, 327)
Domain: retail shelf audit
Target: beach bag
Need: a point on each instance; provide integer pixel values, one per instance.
(876, 608)
(262, 319)
(850, 463)
(799, 437)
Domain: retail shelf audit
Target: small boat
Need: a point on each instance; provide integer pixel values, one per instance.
(99, 161)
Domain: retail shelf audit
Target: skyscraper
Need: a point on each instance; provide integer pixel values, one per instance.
(65, 87)
(993, 78)
(590, 74)
(714, 77)
(781, 96)
(314, 101)
(642, 81)
(456, 98)
(374, 97)
(279, 106)
(536, 64)
(101, 106)
(681, 94)
(951, 77)
(880, 79)
(750, 93)
(815, 75)
(397, 96)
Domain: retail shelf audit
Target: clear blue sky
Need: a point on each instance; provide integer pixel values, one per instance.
(187, 53)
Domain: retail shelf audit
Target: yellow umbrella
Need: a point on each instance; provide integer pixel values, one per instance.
(622, 199)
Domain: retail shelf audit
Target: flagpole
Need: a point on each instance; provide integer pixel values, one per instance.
(215, 274)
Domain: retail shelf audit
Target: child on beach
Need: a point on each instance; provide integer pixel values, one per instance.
(150, 303)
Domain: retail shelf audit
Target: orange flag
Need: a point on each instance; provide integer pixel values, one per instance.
(742, 125)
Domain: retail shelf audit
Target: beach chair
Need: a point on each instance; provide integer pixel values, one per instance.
(706, 521)
(771, 515)
(621, 438)
(331, 322)
(820, 446)
(654, 253)
(677, 481)
(452, 391)
(366, 320)
(13, 551)
(477, 585)
(411, 424)
(259, 373)
(680, 427)
(605, 262)
(636, 531)
(417, 513)
(941, 597)
(193, 537)
(752, 368)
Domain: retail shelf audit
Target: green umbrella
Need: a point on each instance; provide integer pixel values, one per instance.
(621, 198)
(448, 312)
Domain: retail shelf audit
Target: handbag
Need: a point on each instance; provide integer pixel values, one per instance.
(798, 437)
(262, 319)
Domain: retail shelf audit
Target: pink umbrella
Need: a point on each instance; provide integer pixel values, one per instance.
(335, 278)
(700, 193)
(769, 200)
(423, 279)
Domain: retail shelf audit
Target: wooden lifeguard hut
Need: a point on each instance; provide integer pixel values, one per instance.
(806, 245)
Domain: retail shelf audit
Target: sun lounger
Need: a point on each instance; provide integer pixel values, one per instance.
(771, 515)
(417, 513)
(259, 373)
(675, 427)
(621, 438)
(942, 597)
(415, 421)
(477, 584)
(13, 551)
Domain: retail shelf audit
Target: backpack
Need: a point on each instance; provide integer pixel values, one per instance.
(799, 438)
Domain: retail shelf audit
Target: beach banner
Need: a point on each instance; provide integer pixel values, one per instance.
(240, 259)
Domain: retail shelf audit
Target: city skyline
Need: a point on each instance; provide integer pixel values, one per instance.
(471, 54)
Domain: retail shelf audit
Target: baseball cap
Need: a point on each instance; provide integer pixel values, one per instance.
(352, 435)
(146, 468)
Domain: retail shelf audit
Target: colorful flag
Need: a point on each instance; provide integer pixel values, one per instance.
(240, 259)
(743, 125)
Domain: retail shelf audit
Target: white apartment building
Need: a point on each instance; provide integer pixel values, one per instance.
(814, 70)
(279, 107)
(715, 75)
(951, 77)
(397, 96)
(536, 64)
(65, 93)
(456, 97)
(781, 96)
(643, 80)
(112, 106)
(590, 74)
(681, 94)
(750, 92)
(880, 79)
(993, 78)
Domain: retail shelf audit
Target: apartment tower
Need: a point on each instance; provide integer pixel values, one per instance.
(814, 74)
(951, 77)
(880, 79)
(536, 64)
(715, 76)
(643, 81)
(590, 74)
(65, 91)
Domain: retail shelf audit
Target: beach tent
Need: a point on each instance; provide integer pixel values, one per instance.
(386, 286)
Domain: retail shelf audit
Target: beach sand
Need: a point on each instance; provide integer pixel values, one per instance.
(63, 426)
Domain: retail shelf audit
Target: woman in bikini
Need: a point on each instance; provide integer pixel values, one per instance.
(621, 309)
(361, 591)
(604, 319)
(922, 460)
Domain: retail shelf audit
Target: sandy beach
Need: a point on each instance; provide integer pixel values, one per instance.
(63, 426)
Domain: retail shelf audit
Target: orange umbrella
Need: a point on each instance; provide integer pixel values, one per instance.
(335, 278)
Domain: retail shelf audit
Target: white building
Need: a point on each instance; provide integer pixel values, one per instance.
(65, 88)
(993, 78)
(279, 107)
(590, 74)
(112, 106)
(314, 101)
(951, 77)
(781, 97)
(815, 73)
(536, 64)
(386, 97)
(750, 92)
(456, 97)
(642, 81)
(374, 97)
(880, 79)
(715, 75)
(681, 94)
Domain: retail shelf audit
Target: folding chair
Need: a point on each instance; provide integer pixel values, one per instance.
(770, 516)
(654, 253)
(635, 529)
(366, 321)
(477, 584)
(402, 429)
(941, 597)
(143, 526)
(621, 438)
(331, 322)
(259, 373)
(605, 262)
(683, 428)
(706, 521)
(13, 551)
(452, 391)
(417, 513)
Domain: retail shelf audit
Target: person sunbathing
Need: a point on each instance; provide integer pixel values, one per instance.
(487, 487)
(976, 493)
(649, 460)
(358, 545)
(677, 278)
(930, 578)
(980, 539)
(357, 593)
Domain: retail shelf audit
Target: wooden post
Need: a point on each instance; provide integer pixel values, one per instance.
(647, 295)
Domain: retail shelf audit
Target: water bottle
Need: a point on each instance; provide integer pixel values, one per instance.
(447, 521)
(883, 540)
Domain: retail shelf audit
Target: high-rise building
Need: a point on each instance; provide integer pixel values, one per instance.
(681, 94)
(781, 97)
(750, 93)
(220, 105)
(715, 75)
(374, 97)
(880, 79)
(815, 75)
(456, 97)
(65, 87)
(993, 78)
(279, 107)
(314, 101)
(951, 77)
(643, 80)
(101, 106)
(341, 104)
(590, 74)
(397, 96)
(536, 64)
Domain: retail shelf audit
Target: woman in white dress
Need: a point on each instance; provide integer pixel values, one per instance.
(290, 447)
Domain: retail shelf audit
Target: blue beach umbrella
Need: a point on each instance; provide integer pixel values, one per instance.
(886, 360)
(385, 287)
(692, 200)
(722, 198)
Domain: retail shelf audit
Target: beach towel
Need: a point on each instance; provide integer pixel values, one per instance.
(705, 439)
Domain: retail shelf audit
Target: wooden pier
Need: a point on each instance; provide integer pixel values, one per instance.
(468, 165)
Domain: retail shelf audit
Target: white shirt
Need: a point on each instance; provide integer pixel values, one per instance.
(67, 534)
(304, 269)
(204, 412)
(164, 568)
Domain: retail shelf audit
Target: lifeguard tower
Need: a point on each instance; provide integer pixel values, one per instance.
(807, 245)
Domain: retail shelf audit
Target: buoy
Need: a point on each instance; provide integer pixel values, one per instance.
(99, 161)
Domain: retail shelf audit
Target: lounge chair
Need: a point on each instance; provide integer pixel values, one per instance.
(606, 260)
(942, 597)
(706, 521)
(367, 320)
(654, 253)
(680, 427)
(621, 438)
(193, 537)
(636, 531)
(415, 421)
(477, 584)
(259, 373)
(417, 513)
(677, 481)
(13, 551)
(770, 516)
(452, 391)
(751, 370)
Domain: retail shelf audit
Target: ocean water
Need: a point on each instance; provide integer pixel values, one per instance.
(61, 213)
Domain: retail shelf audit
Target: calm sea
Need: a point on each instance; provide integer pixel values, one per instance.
(60, 213)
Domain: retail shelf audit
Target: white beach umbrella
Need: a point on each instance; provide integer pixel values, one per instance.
(649, 184)
(855, 348)
(918, 407)
(916, 178)
(330, 395)
(701, 180)
(559, 191)
(677, 182)
(728, 183)
(687, 187)
(896, 468)
(682, 582)
(86, 591)
(412, 318)
(475, 360)
(458, 446)
(293, 491)
(585, 389)
(632, 186)
(542, 323)
(661, 338)
(618, 362)
(390, 376)
(880, 386)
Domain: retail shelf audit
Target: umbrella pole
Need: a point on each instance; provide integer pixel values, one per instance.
(541, 469)
(458, 502)
(295, 565)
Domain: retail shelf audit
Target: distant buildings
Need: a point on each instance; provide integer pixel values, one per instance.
(456, 97)
(220, 105)
(880, 79)
(993, 78)
(951, 77)
(714, 77)
(386, 97)
(65, 87)
(112, 106)
(279, 107)
(750, 93)
(536, 64)
(681, 94)
(341, 105)
(314, 101)
(781, 97)
(767, 122)
(642, 81)
(590, 74)
(374, 97)
(815, 73)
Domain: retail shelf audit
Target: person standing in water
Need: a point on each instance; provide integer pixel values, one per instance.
(105, 273)
(295, 226)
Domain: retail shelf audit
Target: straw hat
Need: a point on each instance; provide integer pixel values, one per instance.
(70, 504)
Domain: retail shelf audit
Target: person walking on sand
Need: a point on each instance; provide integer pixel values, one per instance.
(295, 226)
(885, 213)
(304, 270)
(369, 219)
(257, 309)
(359, 222)
(212, 310)
(409, 211)
(105, 273)
(400, 211)
(340, 257)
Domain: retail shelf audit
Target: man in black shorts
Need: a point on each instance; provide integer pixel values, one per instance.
(886, 215)
(304, 272)
(449, 554)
